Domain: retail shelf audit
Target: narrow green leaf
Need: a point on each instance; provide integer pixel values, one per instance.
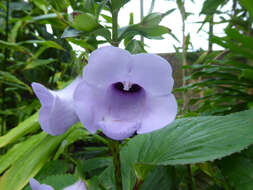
(30, 164)
(29, 125)
(39, 62)
(8, 77)
(19, 150)
(11, 45)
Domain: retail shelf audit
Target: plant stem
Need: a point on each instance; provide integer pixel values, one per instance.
(116, 162)
(190, 183)
(115, 28)
(115, 144)
(142, 14)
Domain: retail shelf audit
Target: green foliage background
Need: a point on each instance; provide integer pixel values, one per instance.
(208, 148)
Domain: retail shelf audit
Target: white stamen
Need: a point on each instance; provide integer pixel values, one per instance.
(127, 85)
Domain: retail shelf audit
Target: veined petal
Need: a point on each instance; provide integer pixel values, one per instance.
(88, 104)
(117, 129)
(153, 73)
(57, 111)
(160, 112)
(79, 185)
(35, 185)
(107, 65)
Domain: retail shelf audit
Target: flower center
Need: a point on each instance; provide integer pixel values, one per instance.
(127, 87)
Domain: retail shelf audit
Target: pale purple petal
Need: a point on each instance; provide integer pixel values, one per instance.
(57, 108)
(118, 130)
(107, 65)
(124, 111)
(35, 185)
(153, 73)
(79, 185)
(88, 102)
(161, 111)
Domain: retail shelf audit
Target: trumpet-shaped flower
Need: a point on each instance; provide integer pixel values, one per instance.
(35, 185)
(122, 93)
(119, 93)
(57, 112)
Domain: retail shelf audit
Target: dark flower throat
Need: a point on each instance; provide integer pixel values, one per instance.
(134, 88)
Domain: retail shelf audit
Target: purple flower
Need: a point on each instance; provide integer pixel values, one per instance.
(57, 112)
(119, 93)
(122, 93)
(35, 185)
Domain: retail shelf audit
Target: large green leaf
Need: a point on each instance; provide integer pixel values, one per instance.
(187, 141)
(238, 169)
(160, 177)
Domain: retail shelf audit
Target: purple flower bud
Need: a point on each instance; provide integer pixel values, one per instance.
(57, 112)
(122, 93)
(35, 185)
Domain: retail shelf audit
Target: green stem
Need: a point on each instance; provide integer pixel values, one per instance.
(115, 41)
(116, 162)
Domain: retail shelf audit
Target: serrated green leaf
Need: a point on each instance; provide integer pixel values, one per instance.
(161, 177)
(238, 169)
(187, 141)
(58, 182)
(95, 163)
(53, 167)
